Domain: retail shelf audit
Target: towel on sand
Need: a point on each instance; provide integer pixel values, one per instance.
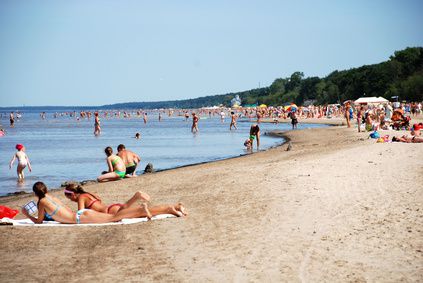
(28, 222)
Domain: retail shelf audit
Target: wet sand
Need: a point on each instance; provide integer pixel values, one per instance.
(337, 207)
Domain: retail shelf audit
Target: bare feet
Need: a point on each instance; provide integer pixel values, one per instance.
(147, 211)
(181, 209)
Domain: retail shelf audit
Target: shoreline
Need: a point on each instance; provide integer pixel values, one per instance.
(274, 133)
(334, 208)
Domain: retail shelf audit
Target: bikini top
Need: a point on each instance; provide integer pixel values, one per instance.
(49, 217)
(115, 160)
(91, 202)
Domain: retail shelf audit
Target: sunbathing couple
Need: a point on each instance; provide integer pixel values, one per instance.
(119, 166)
(91, 209)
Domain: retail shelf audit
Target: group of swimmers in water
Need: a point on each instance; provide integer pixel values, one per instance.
(91, 208)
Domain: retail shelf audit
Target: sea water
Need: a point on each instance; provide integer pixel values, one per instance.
(65, 148)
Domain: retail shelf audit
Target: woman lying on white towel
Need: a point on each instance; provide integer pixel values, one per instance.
(53, 208)
(76, 193)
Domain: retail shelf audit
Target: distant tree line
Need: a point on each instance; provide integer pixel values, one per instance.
(401, 75)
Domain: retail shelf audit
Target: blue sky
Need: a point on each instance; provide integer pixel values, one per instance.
(102, 52)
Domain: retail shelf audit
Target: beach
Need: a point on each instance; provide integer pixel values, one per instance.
(337, 207)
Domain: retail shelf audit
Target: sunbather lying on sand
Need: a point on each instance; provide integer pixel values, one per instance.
(53, 208)
(407, 139)
(88, 200)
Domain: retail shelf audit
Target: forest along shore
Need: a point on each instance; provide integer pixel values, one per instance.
(337, 206)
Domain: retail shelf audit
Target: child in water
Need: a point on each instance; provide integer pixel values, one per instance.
(23, 161)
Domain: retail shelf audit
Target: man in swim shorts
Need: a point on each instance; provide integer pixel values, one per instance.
(130, 159)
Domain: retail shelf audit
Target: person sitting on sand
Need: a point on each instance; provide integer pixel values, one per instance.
(117, 169)
(130, 159)
(56, 210)
(23, 161)
(91, 201)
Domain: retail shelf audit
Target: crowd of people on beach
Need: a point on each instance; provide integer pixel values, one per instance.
(371, 118)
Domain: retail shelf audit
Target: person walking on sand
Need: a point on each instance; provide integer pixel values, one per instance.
(97, 128)
(347, 114)
(359, 118)
(117, 169)
(23, 161)
(194, 127)
(233, 121)
(130, 159)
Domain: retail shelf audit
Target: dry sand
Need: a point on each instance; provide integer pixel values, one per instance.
(338, 207)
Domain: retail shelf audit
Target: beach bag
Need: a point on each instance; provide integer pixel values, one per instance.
(8, 212)
(374, 135)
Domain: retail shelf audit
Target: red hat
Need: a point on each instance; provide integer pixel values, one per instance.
(19, 146)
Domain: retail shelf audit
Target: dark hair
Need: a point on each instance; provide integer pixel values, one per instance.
(121, 146)
(40, 190)
(77, 189)
(108, 150)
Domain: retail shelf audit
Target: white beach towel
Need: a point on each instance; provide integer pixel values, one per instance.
(28, 222)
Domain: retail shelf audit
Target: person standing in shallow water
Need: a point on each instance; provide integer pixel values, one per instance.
(194, 127)
(97, 128)
(254, 135)
(12, 119)
(23, 161)
(233, 121)
(294, 119)
(145, 118)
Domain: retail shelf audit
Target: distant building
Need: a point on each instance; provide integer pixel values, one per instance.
(236, 101)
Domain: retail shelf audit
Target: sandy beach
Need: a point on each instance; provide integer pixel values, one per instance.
(338, 207)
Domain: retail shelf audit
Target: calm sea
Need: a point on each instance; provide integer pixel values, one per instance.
(64, 148)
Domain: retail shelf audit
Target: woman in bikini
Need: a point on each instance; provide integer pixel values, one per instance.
(117, 169)
(53, 208)
(91, 201)
(88, 200)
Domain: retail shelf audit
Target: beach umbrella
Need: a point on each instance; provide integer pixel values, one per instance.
(292, 107)
(263, 105)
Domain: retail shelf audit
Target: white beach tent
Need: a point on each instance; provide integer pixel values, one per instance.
(371, 100)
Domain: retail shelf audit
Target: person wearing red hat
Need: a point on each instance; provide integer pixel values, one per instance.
(23, 161)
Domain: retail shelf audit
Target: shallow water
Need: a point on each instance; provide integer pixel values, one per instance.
(63, 148)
